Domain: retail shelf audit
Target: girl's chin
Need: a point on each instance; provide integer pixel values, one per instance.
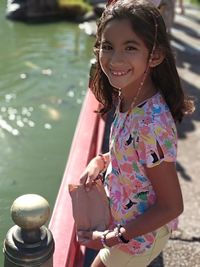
(118, 85)
(120, 81)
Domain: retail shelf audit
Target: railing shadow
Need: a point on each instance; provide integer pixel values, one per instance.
(187, 55)
(188, 30)
(189, 15)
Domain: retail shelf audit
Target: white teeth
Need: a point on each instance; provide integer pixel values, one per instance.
(119, 73)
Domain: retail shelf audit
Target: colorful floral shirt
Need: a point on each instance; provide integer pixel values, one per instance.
(134, 141)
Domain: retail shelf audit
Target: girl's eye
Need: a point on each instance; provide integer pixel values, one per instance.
(131, 48)
(106, 47)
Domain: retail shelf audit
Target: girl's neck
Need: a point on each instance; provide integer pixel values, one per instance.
(130, 99)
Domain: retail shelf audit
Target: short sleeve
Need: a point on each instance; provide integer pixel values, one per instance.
(154, 136)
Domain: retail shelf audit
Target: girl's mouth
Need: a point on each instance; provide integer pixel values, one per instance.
(119, 73)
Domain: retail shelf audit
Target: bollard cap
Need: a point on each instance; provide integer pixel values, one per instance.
(30, 211)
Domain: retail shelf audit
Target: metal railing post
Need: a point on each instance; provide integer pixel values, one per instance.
(29, 242)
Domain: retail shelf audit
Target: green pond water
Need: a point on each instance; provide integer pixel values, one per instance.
(43, 80)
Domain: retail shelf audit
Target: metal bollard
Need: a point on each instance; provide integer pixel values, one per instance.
(29, 243)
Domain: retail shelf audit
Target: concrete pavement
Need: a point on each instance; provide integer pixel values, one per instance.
(183, 249)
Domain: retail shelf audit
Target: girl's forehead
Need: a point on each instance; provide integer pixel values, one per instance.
(119, 30)
(118, 25)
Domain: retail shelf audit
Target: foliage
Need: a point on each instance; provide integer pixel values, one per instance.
(196, 2)
(75, 3)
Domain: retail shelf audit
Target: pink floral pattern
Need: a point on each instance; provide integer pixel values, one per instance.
(133, 143)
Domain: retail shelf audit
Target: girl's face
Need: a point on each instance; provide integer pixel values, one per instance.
(123, 55)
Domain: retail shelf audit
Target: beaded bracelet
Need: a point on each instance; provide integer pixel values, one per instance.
(103, 239)
(104, 162)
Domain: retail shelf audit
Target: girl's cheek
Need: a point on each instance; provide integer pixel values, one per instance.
(101, 57)
(104, 69)
(102, 61)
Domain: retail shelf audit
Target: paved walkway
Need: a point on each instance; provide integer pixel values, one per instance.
(183, 249)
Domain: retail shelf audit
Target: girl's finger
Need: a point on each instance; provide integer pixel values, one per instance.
(99, 177)
(89, 182)
(83, 178)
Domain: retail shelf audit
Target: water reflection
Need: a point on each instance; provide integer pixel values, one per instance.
(12, 119)
(43, 79)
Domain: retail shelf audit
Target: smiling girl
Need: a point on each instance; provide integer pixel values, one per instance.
(136, 72)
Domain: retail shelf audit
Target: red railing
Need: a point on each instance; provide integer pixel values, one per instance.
(86, 144)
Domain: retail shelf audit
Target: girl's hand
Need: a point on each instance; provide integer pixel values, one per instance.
(90, 239)
(91, 172)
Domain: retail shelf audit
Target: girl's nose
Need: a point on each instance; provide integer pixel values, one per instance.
(116, 59)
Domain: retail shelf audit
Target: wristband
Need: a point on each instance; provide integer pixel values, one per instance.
(120, 236)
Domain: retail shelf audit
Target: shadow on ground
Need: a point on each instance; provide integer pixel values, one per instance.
(188, 59)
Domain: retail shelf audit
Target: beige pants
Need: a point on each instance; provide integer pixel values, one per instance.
(114, 257)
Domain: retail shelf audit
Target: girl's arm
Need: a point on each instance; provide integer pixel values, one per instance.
(169, 201)
(168, 205)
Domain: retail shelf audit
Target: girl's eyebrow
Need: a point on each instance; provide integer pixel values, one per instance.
(105, 41)
(133, 42)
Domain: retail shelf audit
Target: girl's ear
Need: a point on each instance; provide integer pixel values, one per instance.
(157, 58)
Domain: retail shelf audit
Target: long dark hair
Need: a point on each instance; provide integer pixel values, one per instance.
(144, 18)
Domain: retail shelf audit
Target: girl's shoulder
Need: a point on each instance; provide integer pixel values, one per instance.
(153, 105)
(156, 102)
(153, 110)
